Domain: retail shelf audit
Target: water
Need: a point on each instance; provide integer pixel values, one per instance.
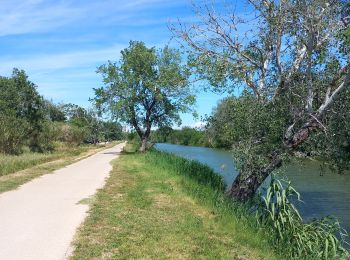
(324, 195)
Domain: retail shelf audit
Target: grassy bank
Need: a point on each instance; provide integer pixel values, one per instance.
(155, 206)
(16, 170)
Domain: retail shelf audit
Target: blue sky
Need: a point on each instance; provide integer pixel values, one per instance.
(59, 43)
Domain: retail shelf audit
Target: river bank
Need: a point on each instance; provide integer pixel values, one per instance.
(322, 195)
(157, 206)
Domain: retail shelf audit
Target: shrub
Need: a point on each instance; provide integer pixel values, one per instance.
(13, 133)
(71, 134)
(47, 136)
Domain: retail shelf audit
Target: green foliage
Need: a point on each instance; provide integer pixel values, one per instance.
(145, 88)
(92, 127)
(253, 130)
(332, 145)
(221, 126)
(12, 134)
(161, 134)
(71, 134)
(132, 146)
(133, 137)
(55, 113)
(29, 121)
(112, 131)
(184, 136)
(21, 113)
(315, 240)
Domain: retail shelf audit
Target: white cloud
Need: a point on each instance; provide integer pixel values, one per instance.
(17, 17)
(68, 77)
(32, 16)
(50, 62)
(81, 30)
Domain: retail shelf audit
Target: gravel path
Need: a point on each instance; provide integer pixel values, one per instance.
(39, 219)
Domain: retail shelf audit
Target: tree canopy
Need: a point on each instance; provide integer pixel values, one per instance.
(22, 113)
(292, 62)
(146, 88)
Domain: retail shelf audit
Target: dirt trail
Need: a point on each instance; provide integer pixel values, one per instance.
(39, 219)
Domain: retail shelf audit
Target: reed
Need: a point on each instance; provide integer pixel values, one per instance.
(319, 239)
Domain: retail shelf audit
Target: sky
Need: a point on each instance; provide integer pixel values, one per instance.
(60, 43)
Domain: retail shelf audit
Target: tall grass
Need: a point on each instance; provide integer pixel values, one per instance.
(193, 169)
(131, 147)
(13, 163)
(319, 239)
(276, 216)
(208, 188)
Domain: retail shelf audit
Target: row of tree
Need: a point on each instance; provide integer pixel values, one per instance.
(28, 120)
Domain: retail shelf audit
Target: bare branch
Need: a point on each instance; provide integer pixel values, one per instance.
(329, 99)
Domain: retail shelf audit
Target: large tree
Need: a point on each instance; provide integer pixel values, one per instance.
(21, 113)
(146, 88)
(292, 59)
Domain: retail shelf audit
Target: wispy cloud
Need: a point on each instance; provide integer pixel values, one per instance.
(33, 16)
(68, 77)
(52, 62)
(59, 43)
(17, 17)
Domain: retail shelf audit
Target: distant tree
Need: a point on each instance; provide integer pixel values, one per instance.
(76, 115)
(112, 130)
(145, 88)
(184, 136)
(161, 134)
(55, 113)
(221, 124)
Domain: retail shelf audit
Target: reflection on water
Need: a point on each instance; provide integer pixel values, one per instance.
(324, 195)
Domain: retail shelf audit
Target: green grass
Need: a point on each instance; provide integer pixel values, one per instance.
(16, 170)
(13, 163)
(154, 206)
(131, 147)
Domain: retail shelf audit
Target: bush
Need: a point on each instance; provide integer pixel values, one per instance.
(133, 137)
(13, 133)
(47, 136)
(71, 134)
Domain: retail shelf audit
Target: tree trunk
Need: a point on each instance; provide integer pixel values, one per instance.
(245, 185)
(144, 138)
(143, 144)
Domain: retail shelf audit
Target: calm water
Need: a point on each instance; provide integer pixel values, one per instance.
(324, 195)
